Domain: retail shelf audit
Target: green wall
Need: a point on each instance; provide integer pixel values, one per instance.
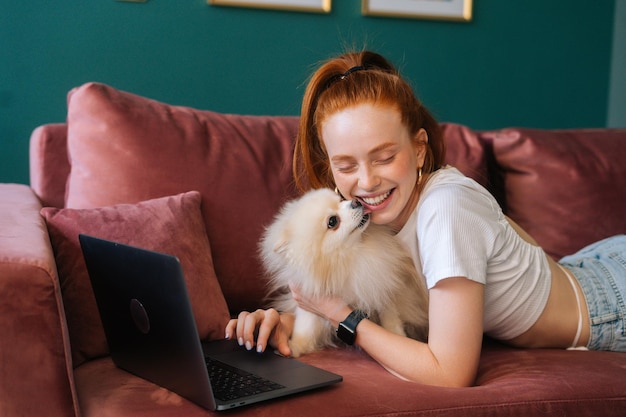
(617, 90)
(534, 63)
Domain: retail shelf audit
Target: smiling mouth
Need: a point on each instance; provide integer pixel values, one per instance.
(375, 201)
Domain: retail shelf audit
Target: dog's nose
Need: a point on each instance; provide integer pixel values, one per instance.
(355, 204)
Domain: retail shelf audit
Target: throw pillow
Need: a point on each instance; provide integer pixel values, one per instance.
(564, 187)
(465, 151)
(172, 225)
(125, 148)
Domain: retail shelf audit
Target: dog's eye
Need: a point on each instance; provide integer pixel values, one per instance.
(333, 222)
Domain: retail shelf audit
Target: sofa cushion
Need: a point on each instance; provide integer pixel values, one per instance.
(567, 188)
(125, 148)
(511, 382)
(171, 225)
(465, 151)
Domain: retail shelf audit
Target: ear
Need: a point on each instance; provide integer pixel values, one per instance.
(282, 243)
(420, 142)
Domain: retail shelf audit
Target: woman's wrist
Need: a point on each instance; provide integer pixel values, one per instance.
(339, 315)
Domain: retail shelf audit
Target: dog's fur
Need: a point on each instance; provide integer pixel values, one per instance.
(327, 247)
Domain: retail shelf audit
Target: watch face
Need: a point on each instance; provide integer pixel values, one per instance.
(346, 334)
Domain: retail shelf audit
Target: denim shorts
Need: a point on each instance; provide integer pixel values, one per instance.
(601, 270)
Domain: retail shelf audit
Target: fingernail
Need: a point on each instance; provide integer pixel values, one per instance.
(259, 349)
(240, 341)
(227, 336)
(248, 345)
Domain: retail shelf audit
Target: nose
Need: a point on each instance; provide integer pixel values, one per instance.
(368, 181)
(354, 204)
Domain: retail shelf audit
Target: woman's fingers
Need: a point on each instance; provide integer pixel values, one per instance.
(269, 324)
(271, 329)
(263, 323)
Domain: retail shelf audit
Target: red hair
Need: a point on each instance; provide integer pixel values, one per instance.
(348, 80)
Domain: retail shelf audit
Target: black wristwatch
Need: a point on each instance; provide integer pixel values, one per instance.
(347, 328)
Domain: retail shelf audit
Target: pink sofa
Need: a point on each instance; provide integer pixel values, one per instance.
(124, 167)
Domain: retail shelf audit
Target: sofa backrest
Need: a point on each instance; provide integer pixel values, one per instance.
(122, 148)
(49, 164)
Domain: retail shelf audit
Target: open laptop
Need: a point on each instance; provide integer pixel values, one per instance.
(151, 332)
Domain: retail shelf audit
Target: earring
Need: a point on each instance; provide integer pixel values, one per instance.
(419, 176)
(339, 193)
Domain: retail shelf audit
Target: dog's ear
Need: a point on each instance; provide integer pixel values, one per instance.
(280, 246)
(281, 243)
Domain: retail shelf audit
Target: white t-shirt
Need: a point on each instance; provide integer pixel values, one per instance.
(458, 230)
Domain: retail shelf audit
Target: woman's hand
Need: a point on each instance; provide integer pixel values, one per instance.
(272, 329)
(333, 309)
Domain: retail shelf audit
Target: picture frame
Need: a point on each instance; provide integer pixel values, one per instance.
(453, 10)
(315, 6)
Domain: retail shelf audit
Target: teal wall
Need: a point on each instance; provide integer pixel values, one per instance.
(533, 63)
(617, 89)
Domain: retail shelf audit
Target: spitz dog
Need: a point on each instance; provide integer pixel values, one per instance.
(327, 246)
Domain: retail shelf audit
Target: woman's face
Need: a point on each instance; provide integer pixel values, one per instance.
(374, 160)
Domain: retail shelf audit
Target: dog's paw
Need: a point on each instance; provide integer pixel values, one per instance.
(301, 346)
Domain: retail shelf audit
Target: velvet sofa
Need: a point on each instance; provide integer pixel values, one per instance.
(202, 185)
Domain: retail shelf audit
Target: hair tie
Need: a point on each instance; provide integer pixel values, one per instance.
(338, 77)
(351, 70)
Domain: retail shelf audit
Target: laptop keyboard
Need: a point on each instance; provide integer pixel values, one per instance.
(230, 383)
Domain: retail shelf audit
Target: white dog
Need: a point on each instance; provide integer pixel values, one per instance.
(326, 246)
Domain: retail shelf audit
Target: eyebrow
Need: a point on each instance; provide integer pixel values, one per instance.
(377, 149)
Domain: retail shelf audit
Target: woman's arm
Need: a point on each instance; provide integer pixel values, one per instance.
(450, 358)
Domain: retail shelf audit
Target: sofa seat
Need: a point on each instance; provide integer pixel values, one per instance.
(510, 382)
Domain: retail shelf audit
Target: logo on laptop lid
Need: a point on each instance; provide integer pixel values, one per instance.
(140, 316)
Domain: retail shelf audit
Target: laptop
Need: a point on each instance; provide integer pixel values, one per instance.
(151, 332)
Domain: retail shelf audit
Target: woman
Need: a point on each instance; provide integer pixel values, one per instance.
(363, 132)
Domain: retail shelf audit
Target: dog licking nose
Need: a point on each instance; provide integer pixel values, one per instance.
(355, 205)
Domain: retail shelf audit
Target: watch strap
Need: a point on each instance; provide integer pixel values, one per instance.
(347, 328)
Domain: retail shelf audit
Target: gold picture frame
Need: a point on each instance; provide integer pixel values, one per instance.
(315, 6)
(455, 10)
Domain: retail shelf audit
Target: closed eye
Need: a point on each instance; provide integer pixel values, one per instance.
(384, 161)
(345, 168)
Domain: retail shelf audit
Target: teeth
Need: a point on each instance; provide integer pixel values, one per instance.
(376, 200)
(364, 220)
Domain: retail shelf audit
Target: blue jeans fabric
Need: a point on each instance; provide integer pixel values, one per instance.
(601, 270)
